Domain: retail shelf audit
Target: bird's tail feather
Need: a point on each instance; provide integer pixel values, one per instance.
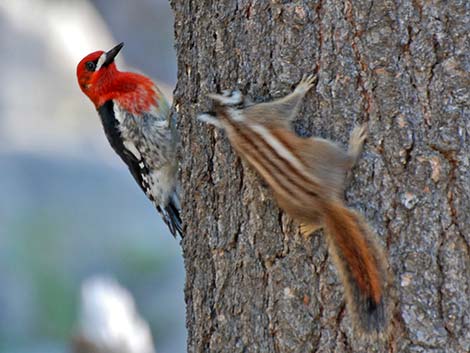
(171, 216)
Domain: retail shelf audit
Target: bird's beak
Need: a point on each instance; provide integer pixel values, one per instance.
(111, 54)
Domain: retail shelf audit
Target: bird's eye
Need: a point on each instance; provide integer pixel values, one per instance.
(90, 66)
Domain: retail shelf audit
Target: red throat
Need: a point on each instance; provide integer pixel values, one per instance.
(135, 93)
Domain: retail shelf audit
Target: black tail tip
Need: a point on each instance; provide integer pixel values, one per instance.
(373, 319)
(171, 216)
(173, 220)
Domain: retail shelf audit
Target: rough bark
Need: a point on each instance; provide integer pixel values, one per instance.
(253, 284)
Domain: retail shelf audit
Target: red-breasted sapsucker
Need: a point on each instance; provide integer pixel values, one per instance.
(136, 119)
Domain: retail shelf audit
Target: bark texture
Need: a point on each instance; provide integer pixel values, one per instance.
(253, 284)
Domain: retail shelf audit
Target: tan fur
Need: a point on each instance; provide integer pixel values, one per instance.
(307, 176)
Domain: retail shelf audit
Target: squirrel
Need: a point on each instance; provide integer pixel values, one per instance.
(307, 177)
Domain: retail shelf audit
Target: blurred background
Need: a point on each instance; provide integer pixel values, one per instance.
(69, 209)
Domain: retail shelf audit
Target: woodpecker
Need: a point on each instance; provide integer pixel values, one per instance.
(136, 120)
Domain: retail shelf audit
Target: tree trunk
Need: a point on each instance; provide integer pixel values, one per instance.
(253, 284)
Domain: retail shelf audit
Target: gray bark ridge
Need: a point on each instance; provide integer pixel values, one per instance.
(253, 284)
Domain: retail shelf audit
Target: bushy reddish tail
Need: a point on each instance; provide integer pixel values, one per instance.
(362, 266)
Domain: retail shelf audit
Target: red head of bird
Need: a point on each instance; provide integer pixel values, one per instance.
(101, 81)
